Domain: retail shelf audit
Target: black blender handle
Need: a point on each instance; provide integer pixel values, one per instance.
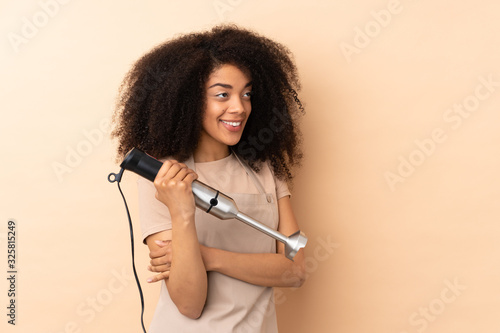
(141, 163)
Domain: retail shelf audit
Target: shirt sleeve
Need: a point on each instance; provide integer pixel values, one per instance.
(281, 189)
(153, 214)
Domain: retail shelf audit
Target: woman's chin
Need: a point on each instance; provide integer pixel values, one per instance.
(233, 140)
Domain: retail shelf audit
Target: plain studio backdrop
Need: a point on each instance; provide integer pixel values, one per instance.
(398, 192)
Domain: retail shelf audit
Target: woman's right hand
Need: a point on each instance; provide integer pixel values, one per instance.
(173, 188)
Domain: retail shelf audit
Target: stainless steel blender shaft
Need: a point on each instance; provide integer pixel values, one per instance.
(224, 207)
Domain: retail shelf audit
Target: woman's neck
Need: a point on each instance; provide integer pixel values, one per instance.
(206, 153)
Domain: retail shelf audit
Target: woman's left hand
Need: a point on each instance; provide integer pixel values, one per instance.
(161, 260)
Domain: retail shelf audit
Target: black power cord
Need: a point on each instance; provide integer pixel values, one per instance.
(113, 177)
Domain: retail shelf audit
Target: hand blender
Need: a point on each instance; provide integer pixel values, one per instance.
(212, 201)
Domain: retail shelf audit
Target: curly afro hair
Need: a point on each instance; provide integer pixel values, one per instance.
(165, 90)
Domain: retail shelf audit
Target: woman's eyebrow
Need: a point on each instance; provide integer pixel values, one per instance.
(228, 86)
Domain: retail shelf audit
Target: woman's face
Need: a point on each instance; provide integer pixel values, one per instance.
(228, 107)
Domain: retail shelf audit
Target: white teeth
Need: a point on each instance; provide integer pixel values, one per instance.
(234, 124)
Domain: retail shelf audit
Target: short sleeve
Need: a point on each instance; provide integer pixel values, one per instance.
(153, 214)
(281, 188)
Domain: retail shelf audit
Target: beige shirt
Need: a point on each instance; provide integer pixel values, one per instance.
(232, 305)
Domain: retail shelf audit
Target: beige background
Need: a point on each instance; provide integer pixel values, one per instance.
(398, 192)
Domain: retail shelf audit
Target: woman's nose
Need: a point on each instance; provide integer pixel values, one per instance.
(236, 106)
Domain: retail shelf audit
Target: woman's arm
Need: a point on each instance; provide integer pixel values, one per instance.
(187, 281)
(265, 269)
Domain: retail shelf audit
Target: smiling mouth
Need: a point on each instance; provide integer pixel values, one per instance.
(232, 123)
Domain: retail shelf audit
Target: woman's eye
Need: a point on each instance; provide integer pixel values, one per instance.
(248, 94)
(223, 95)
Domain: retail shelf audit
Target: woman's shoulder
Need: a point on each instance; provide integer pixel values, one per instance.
(265, 172)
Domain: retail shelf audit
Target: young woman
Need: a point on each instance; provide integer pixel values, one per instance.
(219, 106)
